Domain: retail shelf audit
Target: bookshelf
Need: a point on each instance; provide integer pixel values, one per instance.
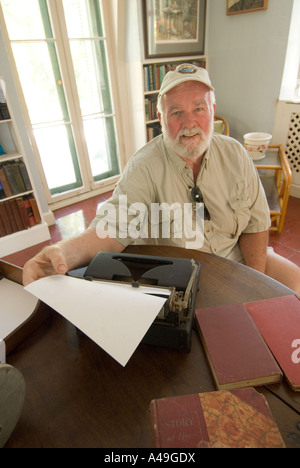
(153, 73)
(21, 222)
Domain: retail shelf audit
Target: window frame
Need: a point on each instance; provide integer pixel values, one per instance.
(65, 63)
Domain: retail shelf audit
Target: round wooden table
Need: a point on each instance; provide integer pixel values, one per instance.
(78, 396)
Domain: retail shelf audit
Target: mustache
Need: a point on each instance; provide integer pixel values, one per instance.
(190, 132)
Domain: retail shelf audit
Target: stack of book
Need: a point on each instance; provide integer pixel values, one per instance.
(246, 345)
(14, 179)
(18, 214)
(252, 344)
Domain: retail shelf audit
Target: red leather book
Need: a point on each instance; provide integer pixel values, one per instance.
(16, 213)
(237, 354)
(35, 210)
(29, 211)
(23, 212)
(278, 320)
(2, 228)
(238, 418)
(10, 215)
(5, 219)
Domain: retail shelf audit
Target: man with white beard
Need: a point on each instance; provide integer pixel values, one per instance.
(188, 165)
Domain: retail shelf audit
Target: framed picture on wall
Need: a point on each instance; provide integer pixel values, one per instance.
(174, 27)
(235, 7)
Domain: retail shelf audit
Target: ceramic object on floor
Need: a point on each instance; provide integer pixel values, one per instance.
(12, 396)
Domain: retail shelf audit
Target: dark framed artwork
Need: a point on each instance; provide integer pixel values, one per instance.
(174, 27)
(235, 7)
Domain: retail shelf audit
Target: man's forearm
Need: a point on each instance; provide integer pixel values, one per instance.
(254, 249)
(81, 250)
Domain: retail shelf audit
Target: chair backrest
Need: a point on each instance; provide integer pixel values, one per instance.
(221, 125)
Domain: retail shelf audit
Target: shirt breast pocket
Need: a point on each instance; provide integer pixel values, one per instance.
(240, 204)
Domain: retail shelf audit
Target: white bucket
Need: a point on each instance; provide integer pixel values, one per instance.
(257, 144)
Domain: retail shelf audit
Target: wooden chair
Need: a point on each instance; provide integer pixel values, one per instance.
(276, 176)
(221, 125)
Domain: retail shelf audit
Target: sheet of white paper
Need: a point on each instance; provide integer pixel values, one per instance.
(16, 306)
(115, 318)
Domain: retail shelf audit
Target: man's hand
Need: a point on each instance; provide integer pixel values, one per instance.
(67, 255)
(50, 261)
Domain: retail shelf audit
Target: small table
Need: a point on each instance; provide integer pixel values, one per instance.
(78, 396)
(276, 176)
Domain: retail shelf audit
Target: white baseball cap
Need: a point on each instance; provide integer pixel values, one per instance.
(183, 73)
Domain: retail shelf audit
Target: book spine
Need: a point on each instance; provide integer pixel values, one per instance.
(178, 422)
(23, 212)
(11, 178)
(17, 215)
(2, 193)
(5, 183)
(25, 177)
(35, 210)
(5, 220)
(5, 115)
(4, 112)
(18, 177)
(29, 211)
(11, 216)
(2, 228)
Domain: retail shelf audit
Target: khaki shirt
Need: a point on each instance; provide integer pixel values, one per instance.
(231, 189)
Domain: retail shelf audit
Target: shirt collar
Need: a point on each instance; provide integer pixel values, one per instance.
(179, 164)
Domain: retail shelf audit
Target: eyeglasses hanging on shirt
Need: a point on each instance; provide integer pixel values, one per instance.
(197, 197)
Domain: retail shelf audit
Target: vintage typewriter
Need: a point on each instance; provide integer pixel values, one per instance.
(175, 278)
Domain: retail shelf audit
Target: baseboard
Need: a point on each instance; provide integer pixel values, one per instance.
(49, 218)
(295, 191)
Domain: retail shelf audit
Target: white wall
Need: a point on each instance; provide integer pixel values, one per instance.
(246, 62)
(246, 59)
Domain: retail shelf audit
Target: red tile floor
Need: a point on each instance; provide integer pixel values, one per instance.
(287, 244)
(73, 220)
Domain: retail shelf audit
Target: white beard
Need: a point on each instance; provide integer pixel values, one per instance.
(188, 150)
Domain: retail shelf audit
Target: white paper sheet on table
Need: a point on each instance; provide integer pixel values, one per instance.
(16, 306)
(115, 317)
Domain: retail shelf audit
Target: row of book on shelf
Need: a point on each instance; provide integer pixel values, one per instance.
(153, 131)
(154, 73)
(14, 179)
(151, 108)
(18, 214)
